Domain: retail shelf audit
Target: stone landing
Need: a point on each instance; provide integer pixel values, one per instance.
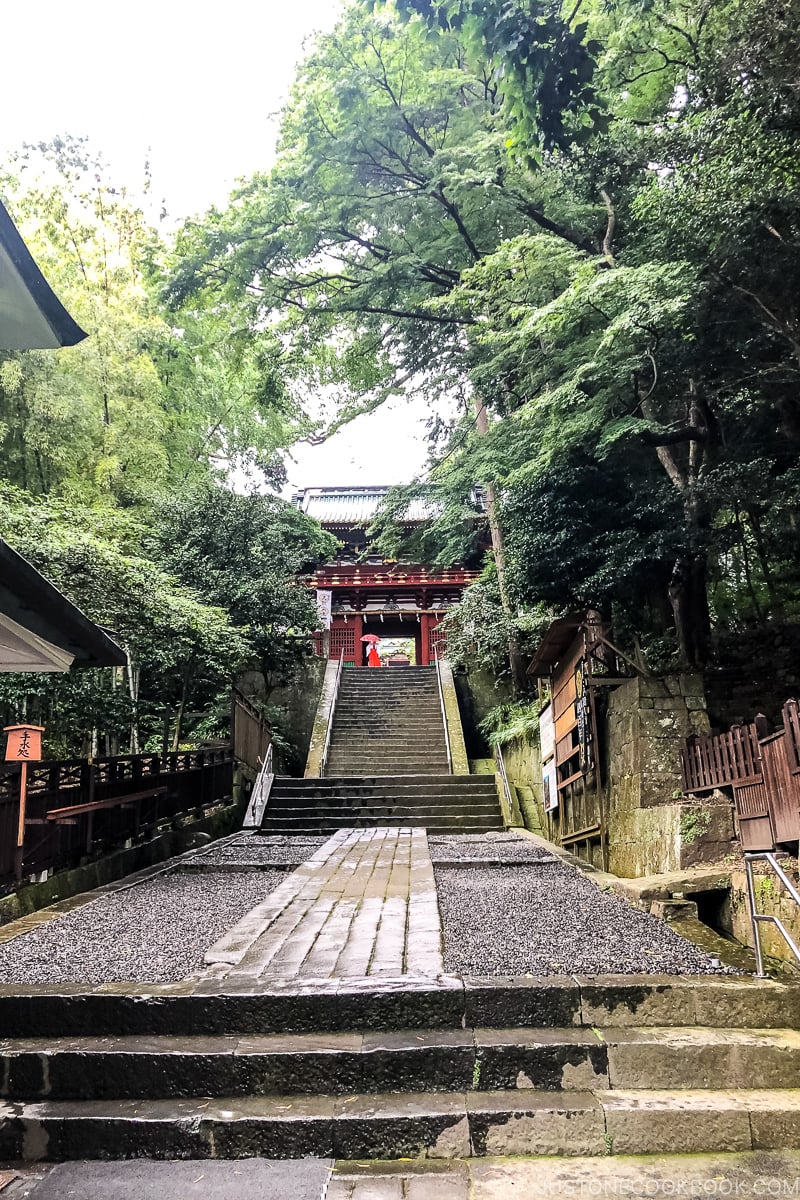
(363, 905)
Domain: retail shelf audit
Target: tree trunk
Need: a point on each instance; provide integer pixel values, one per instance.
(176, 737)
(133, 692)
(688, 587)
(516, 662)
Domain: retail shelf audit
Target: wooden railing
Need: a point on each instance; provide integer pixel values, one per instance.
(78, 807)
(762, 769)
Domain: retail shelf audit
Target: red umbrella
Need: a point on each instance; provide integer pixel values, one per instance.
(370, 637)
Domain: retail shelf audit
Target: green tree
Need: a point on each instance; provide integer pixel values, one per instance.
(180, 650)
(608, 274)
(246, 553)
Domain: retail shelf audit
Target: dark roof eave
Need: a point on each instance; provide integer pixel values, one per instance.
(66, 330)
(31, 600)
(557, 639)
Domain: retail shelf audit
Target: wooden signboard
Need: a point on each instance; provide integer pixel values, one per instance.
(547, 733)
(23, 745)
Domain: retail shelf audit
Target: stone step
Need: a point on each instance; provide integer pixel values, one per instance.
(281, 824)
(332, 821)
(377, 707)
(390, 806)
(440, 1125)
(417, 797)
(411, 752)
(391, 733)
(414, 798)
(415, 714)
(392, 687)
(387, 695)
(406, 1060)
(199, 1007)
(398, 747)
(423, 725)
(394, 767)
(399, 677)
(373, 683)
(391, 702)
(435, 828)
(377, 696)
(373, 700)
(476, 783)
(391, 766)
(433, 821)
(411, 749)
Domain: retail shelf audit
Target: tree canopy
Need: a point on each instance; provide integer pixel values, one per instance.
(582, 219)
(119, 460)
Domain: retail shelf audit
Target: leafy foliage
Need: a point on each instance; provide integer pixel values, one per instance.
(116, 456)
(506, 722)
(585, 220)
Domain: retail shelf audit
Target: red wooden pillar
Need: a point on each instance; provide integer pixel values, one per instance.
(425, 624)
(358, 655)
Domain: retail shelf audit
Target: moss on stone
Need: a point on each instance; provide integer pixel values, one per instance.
(694, 823)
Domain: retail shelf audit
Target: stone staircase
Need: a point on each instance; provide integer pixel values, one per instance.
(560, 1066)
(388, 722)
(387, 765)
(438, 803)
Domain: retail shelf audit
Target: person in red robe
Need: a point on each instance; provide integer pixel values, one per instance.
(373, 659)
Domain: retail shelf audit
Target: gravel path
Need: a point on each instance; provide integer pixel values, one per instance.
(155, 932)
(551, 920)
(505, 848)
(258, 850)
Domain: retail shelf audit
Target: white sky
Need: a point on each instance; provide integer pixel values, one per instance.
(195, 88)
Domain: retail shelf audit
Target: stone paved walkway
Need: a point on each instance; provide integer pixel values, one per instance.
(646, 1177)
(363, 905)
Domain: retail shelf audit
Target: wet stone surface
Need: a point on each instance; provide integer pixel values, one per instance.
(156, 931)
(548, 919)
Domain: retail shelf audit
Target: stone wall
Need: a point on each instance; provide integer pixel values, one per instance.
(651, 827)
(773, 900)
(294, 705)
(478, 692)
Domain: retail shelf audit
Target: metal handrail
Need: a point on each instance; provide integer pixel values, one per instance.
(259, 797)
(498, 755)
(444, 714)
(756, 917)
(329, 729)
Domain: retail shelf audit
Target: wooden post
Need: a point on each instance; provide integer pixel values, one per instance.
(358, 653)
(418, 644)
(425, 625)
(23, 799)
(23, 745)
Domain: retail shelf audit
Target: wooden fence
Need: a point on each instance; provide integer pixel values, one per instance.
(78, 807)
(762, 768)
(250, 733)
